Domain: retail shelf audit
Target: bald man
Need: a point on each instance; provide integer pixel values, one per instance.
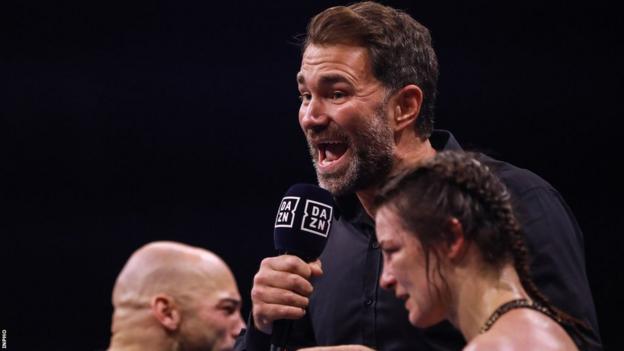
(171, 296)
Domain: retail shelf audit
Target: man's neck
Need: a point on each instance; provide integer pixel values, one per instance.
(409, 157)
(367, 198)
(141, 338)
(405, 157)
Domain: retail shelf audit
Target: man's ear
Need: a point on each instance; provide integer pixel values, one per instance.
(407, 106)
(457, 243)
(166, 311)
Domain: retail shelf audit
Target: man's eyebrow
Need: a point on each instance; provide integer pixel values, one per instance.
(227, 300)
(328, 79)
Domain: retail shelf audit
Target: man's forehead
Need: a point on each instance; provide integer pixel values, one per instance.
(330, 62)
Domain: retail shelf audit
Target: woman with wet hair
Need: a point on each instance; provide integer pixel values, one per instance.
(453, 250)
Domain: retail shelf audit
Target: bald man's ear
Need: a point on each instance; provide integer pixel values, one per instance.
(166, 311)
(407, 107)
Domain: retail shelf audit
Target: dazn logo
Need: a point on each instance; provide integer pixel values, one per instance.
(316, 218)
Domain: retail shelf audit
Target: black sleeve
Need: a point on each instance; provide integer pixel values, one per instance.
(252, 339)
(556, 247)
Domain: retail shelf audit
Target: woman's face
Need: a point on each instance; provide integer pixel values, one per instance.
(405, 271)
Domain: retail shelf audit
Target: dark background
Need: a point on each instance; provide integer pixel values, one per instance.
(124, 123)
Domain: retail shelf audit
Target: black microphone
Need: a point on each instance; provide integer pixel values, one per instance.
(302, 225)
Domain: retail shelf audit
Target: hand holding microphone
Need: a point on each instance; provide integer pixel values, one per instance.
(282, 287)
(281, 290)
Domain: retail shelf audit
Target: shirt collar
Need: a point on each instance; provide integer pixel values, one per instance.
(443, 140)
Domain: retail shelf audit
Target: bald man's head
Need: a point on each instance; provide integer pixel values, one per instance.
(185, 295)
(168, 267)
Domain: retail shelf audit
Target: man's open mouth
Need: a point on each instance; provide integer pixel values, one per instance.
(330, 152)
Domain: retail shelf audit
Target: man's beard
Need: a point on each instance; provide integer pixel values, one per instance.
(371, 149)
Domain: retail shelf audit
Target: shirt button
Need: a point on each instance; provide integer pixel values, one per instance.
(368, 302)
(375, 245)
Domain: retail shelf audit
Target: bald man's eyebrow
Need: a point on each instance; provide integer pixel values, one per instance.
(229, 300)
(229, 305)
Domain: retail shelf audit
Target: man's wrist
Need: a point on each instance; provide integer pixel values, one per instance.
(256, 339)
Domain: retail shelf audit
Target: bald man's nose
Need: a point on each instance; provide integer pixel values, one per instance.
(238, 325)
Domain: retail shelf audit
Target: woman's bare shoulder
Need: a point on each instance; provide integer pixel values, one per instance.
(523, 329)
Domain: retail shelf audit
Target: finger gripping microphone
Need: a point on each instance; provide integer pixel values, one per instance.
(302, 225)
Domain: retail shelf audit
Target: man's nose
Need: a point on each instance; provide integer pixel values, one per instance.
(313, 115)
(239, 324)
